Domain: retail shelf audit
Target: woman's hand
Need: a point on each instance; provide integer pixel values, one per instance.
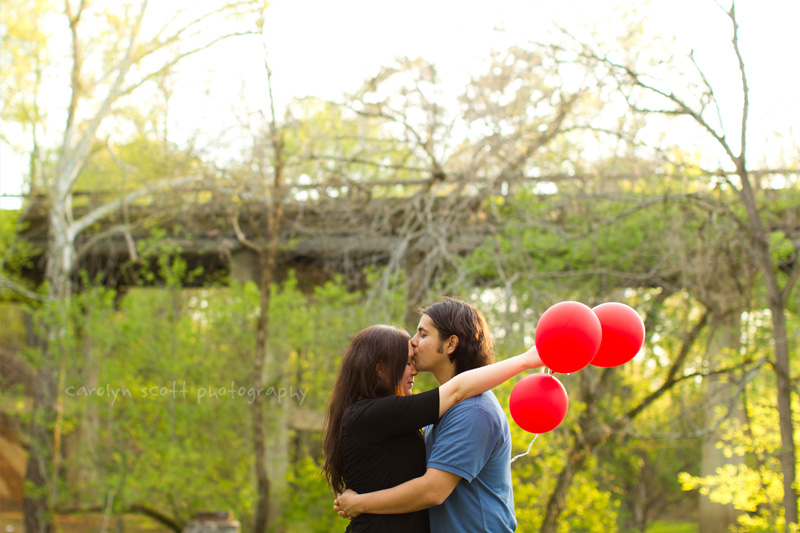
(339, 510)
(346, 504)
(532, 359)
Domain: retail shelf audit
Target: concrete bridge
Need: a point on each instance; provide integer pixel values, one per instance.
(318, 239)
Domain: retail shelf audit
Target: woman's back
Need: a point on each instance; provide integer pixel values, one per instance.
(382, 447)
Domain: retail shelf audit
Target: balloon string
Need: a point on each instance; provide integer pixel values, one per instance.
(527, 452)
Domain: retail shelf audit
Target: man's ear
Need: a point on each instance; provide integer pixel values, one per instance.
(379, 370)
(451, 344)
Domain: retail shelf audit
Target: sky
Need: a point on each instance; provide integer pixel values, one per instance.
(324, 48)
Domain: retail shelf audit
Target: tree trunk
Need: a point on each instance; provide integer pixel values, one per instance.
(776, 299)
(40, 475)
(557, 502)
(415, 289)
(267, 511)
(80, 447)
(246, 266)
(82, 124)
(584, 441)
(275, 446)
(278, 455)
(720, 394)
(259, 381)
(787, 452)
(37, 507)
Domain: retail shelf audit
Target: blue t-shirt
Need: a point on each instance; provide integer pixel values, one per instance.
(472, 440)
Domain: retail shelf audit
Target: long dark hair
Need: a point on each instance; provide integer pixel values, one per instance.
(455, 317)
(372, 367)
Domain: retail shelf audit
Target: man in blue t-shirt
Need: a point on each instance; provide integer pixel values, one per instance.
(467, 484)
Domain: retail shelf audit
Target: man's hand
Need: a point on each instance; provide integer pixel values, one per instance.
(346, 504)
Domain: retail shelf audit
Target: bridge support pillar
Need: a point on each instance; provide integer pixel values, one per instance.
(244, 266)
(415, 288)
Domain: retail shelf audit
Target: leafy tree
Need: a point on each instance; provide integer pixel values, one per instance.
(595, 247)
(691, 97)
(754, 486)
(16, 255)
(110, 55)
(157, 394)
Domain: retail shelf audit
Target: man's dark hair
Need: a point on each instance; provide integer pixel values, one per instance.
(475, 347)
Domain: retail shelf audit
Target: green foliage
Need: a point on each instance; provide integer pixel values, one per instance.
(560, 248)
(23, 55)
(783, 250)
(140, 161)
(310, 507)
(16, 254)
(150, 390)
(589, 507)
(326, 144)
(755, 488)
(551, 263)
(672, 527)
(157, 397)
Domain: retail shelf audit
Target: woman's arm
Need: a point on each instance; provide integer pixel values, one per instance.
(479, 380)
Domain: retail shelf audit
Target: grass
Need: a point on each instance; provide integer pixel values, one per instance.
(11, 522)
(673, 527)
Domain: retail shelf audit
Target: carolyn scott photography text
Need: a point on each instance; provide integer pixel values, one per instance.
(179, 390)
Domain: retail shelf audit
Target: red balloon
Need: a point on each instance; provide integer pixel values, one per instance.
(623, 334)
(538, 403)
(568, 336)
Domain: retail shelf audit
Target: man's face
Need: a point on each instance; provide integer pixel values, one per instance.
(428, 346)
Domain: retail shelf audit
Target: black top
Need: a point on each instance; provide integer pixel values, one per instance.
(382, 447)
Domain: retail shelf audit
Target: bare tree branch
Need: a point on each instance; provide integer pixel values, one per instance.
(710, 90)
(104, 210)
(119, 162)
(73, 157)
(240, 234)
(672, 374)
(19, 289)
(719, 372)
(177, 59)
(637, 79)
(123, 229)
(794, 275)
(745, 89)
(368, 162)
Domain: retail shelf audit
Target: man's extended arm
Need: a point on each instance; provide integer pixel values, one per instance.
(419, 493)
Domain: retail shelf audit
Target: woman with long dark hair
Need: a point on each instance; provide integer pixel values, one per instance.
(373, 440)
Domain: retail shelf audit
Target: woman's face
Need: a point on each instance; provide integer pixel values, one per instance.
(407, 382)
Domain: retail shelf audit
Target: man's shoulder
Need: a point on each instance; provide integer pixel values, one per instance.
(487, 400)
(483, 403)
